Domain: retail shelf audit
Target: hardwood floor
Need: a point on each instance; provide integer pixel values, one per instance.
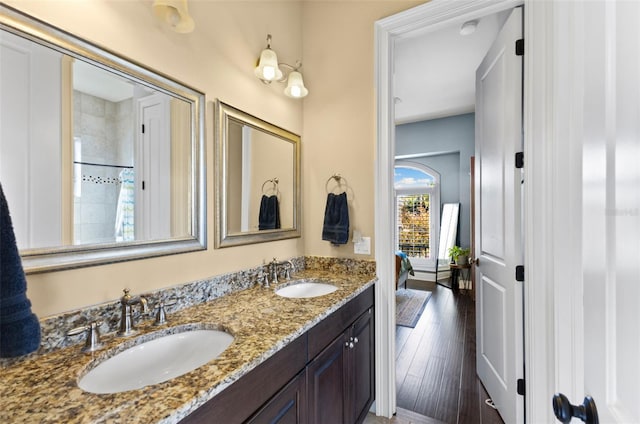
(435, 361)
(402, 417)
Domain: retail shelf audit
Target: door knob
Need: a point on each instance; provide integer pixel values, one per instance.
(564, 410)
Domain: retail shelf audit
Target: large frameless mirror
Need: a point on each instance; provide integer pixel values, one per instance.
(258, 177)
(102, 159)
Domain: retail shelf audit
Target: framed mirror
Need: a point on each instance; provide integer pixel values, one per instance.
(102, 159)
(258, 179)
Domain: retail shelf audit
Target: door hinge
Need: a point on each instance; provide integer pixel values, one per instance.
(520, 273)
(520, 386)
(520, 47)
(520, 160)
(142, 128)
(143, 185)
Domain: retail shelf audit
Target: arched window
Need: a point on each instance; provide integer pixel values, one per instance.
(417, 190)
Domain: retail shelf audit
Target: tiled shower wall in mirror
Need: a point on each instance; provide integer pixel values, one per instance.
(103, 137)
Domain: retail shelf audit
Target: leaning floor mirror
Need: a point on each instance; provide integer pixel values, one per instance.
(102, 158)
(258, 179)
(447, 235)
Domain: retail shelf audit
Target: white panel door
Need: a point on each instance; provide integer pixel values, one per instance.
(153, 170)
(611, 210)
(30, 140)
(598, 320)
(499, 321)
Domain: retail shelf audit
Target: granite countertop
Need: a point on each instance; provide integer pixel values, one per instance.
(44, 389)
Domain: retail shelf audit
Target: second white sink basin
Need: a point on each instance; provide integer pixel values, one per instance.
(155, 361)
(306, 289)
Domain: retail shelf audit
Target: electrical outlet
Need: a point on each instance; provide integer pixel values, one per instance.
(363, 247)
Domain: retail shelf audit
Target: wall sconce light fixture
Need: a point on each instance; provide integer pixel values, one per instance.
(269, 70)
(175, 14)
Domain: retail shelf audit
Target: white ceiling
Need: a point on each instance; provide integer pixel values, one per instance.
(434, 71)
(100, 83)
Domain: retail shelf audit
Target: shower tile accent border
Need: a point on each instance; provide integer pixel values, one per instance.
(54, 328)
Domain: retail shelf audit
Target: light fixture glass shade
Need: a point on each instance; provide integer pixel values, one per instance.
(295, 86)
(267, 69)
(175, 13)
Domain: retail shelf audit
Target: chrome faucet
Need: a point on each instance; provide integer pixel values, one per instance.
(273, 270)
(126, 317)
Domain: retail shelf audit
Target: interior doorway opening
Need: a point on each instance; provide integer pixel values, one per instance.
(388, 132)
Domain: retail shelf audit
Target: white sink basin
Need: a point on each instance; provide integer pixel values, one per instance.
(155, 361)
(306, 289)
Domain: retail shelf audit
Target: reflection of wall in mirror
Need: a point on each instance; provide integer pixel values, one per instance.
(272, 157)
(235, 176)
(181, 200)
(30, 174)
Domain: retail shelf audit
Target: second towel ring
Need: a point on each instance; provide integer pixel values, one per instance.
(274, 181)
(338, 179)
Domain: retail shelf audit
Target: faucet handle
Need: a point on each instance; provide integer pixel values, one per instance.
(92, 329)
(265, 280)
(161, 315)
(288, 268)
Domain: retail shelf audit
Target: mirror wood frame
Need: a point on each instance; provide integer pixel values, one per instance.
(69, 257)
(224, 113)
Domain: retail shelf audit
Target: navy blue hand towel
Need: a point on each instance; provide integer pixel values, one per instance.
(19, 327)
(269, 217)
(336, 219)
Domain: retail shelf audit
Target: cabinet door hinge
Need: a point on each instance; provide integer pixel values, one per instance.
(520, 273)
(520, 160)
(142, 128)
(520, 47)
(143, 185)
(520, 388)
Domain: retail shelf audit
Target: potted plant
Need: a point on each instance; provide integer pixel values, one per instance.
(459, 255)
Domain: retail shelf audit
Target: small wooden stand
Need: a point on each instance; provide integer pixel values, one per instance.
(459, 272)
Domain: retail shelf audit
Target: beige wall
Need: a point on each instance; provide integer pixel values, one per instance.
(338, 134)
(339, 113)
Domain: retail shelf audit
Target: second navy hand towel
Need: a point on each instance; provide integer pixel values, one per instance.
(336, 219)
(269, 217)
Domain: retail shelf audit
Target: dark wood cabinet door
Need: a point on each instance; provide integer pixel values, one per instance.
(361, 364)
(327, 383)
(287, 407)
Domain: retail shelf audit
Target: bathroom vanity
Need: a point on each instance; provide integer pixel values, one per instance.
(307, 360)
(323, 376)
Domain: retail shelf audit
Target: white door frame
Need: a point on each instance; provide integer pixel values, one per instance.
(540, 344)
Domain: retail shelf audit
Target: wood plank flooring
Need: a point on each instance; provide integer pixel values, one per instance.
(435, 361)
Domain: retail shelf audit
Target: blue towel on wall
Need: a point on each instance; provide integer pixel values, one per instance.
(336, 219)
(269, 217)
(19, 327)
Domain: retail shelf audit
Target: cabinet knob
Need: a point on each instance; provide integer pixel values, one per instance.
(349, 344)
